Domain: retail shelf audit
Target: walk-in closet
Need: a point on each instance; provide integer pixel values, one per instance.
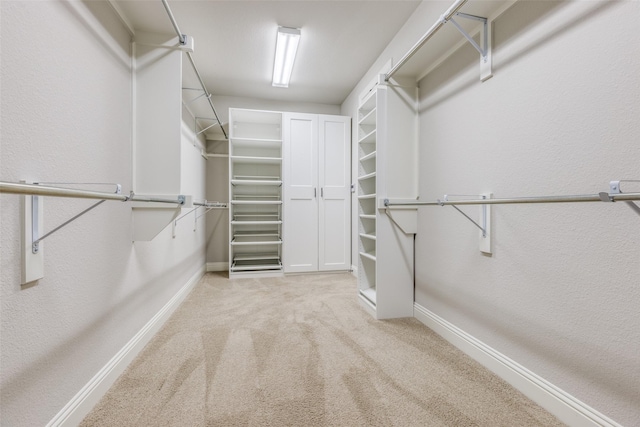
(312, 213)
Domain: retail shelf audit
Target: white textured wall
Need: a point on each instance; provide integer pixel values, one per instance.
(66, 116)
(560, 294)
(218, 168)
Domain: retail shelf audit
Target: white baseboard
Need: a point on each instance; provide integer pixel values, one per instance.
(217, 266)
(564, 406)
(82, 403)
(354, 270)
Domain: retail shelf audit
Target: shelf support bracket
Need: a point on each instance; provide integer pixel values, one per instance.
(191, 101)
(35, 246)
(175, 221)
(485, 215)
(32, 227)
(482, 229)
(208, 127)
(35, 233)
(485, 40)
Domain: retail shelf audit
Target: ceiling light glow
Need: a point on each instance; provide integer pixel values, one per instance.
(286, 48)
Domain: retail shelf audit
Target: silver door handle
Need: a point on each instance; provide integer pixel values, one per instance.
(322, 192)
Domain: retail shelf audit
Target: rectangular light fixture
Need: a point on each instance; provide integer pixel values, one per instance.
(286, 47)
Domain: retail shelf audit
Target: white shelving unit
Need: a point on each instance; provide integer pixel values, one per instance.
(255, 193)
(387, 168)
(367, 154)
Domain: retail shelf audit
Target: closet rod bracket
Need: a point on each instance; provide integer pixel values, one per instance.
(485, 40)
(36, 213)
(187, 44)
(483, 227)
(616, 188)
(485, 219)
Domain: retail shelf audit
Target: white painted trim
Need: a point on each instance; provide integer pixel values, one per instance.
(255, 274)
(564, 406)
(217, 266)
(315, 273)
(84, 401)
(354, 271)
(367, 305)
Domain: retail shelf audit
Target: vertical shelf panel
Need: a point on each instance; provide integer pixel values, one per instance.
(158, 115)
(157, 149)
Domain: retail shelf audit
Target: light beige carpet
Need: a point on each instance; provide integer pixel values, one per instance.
(299, 351)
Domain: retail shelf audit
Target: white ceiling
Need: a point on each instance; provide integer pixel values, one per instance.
(235, 41)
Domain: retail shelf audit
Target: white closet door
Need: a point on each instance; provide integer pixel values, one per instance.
(300, 248)
(335, 193)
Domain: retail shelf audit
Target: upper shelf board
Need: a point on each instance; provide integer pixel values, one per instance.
(448, 37)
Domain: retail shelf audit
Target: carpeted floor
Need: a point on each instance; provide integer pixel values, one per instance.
(299, 351)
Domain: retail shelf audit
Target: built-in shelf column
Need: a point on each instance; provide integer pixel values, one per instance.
(367, 154)
(255, 193)
(387, 167)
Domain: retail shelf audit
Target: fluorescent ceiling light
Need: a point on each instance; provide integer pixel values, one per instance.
(286, 47)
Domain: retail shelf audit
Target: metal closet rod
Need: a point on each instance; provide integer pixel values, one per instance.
(453, 9)
(182, 39)
(43, 190)
(601, 197)
(210, 205)
(206, 204)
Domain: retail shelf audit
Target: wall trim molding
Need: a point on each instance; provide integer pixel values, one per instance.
(354, 271)
(217, 266)
(84, 401)
(564, 406)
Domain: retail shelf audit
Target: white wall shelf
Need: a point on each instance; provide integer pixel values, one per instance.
(367, 176)
(256, 202)
(268, 182)
(256, 160)
(257, 142)
(369, 294)
(256, 234)
(258, 257)
(255, 222)
(369, 118)
(256, 266)
(369, 138)
(370, 255)
(370, 156)
(256, 240)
